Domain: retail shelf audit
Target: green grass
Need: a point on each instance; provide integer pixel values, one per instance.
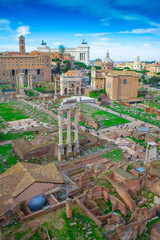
(141, 142)
(49, 89)
(31, 93)
(74, 232)
(20, 235)
(115, 155)
(103, 118)
(142, 237)
(8, 113)
(34, 113)
(58, 225)
(7, 153)
(106, 207)
(10, 136)
(114, 122)
(135, 113)
(149, 224)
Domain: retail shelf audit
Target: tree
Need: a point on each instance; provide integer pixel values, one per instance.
(154, 80)
(80, 64)
(68, 65)
(56, 60)
(118, 69)
(98, 67)
(145, 81)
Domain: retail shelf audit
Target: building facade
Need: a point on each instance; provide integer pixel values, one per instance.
(79, 54)
(118, 84)
(12, 64)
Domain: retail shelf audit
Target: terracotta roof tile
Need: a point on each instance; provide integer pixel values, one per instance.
(19, 177)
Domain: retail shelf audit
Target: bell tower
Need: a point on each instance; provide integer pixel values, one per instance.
(22, 45)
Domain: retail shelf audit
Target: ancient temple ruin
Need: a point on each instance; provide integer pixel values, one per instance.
(70, 148)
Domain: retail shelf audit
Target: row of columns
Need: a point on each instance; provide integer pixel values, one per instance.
(82, 56)
(20, 81)
(69, 142)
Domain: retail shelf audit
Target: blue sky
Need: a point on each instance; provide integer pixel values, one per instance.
(126, 29)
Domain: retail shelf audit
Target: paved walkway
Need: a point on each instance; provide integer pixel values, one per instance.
(5, 142)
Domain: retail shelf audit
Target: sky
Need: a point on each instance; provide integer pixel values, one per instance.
(125, 28)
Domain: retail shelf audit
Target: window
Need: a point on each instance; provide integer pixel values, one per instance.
(124, 81)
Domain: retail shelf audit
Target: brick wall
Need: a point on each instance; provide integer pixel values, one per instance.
(124, 194)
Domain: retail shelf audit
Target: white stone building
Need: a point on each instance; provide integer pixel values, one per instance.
(79, 54)
(137, 65)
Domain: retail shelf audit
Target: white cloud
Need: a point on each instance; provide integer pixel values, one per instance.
(22, 30)
(57, 43)
(104, 39)
(5, 25)
(90, 34)
(142, 31)
(154, 24)
(146, 44)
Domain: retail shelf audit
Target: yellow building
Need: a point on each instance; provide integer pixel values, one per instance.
(118, 84)
(121, 84)
(37, 64)
(98, 62)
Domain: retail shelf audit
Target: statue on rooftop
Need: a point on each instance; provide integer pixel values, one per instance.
(43, 43)
(83, 42)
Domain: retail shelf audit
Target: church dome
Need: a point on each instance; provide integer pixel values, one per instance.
(107, 59)
(37, 203)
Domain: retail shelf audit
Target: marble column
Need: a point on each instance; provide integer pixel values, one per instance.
(76, 130)
(21, 80)
(30, 86)
(69, 130)
(17, 82)
(55, 94)
(60, 145)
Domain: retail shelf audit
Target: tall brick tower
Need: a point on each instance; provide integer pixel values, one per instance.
(22, 45)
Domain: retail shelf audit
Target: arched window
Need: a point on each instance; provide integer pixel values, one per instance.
(124, 81)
